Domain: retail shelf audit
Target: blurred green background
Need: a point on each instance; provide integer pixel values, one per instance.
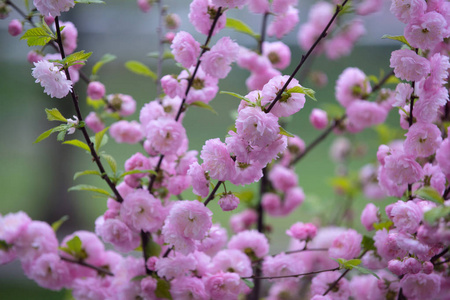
(35, 177)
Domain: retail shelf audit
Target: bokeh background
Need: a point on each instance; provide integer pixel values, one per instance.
(35, 177)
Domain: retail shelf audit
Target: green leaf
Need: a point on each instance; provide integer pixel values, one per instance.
(248, 283)
(392, 80)
(237, 96)
(57, 224)
(61, 135)
(368, 243)
(302, 90)
(153, 249)
(77, 58)
(89, 1)
(349, 264)
(285, 132)
(104, 60)
(374, 79)
(4, 245)
(166, 55)
(245, 196)
(79, 144)
(204, 105)
(44, 135)
(75, 244)
(140, 69)
(99, 138)
(138, 278)
(138, 172)
(37, 37)
(240, 27)
(366, 271)
(434, 214)
(429, 193)
(111, 162)
(85, 187)
(54, 115)
(163, 289)
(382, 225)
(87, 172)
(399, 38)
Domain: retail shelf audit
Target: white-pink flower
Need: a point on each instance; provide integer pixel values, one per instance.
(53, 80)
(53, 7)
(216, 62)
(185, 49)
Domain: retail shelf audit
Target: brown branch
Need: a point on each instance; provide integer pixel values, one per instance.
(291, 276)
(85, 264)
(213, 193)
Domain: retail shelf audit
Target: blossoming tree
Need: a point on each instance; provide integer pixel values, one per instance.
(163, 246)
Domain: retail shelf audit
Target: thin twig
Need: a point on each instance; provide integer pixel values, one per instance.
(292, 276)
(213, 193)
(85, 264)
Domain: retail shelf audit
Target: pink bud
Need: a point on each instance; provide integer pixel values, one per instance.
(427, 267)
(96, 90)
(173, 21)
(33, 57)
(49, 20)
(15, 27)
(144, 5)
(397, 267)
(318, 118)
(170, 36)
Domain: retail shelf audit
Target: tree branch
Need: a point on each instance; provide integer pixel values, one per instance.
(85, 264)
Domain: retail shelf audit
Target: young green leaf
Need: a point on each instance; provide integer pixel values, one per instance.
(138, 172)
(44, 135)
(382, 225)
(79, 144)
(429, 193)
(138, 278)
(237, 96)
(85, 187)
(111, 161)
(248, 283)
(434, 214)
(399, 38)
(99, 138)
(77, 58)
(204, 105)
(366, 271)
(163, 289)
(54, 115)
(285, 132)
(75, 244)
(4, 245)
(240, 27)
(140, 69)
(166, 55)
(61, 135)
(368, 243)
(87, 172)
(104, 60)
(303, 90)
(57, 224)
(153, 249)
(37, 37)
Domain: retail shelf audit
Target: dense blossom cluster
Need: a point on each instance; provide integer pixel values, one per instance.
(188, 256)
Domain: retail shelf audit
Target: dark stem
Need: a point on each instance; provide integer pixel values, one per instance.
(25, 16)
(263, 32)
(400, 295)
(410, 122)
(213, 193)
(167, 252)
(336, 282)
(145, 238)
(190, 82)
(159, 31)
(80, 119)
(304, 250)
(292, 276)
(446, 192)
(305, 56)
(85, 264)
(439, 255)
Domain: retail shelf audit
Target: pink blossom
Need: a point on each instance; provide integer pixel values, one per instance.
(271, 203)
(318, 118)
(34, 56)
(172, 21)
(228, 202)
(217, 160)
(420, 286)
(117, 233)
(151, 111)
(347, 245)
(386, 244)
(171, 86)
(403, 93)
(434, 177)
(91, 246)
(188, 288)
(366, 7)
(50, 272)
(49, 20)
(292, 199)
(283, 178)
(53, 7)
(405, 215)
(200, 181)
(13, 225)
(402, 168)
(96, 90)
(231, 260)
(257, 80)
(258, 6)
(173, 267)
(283, 23)
(408, 65)
(443, 158)
(243, 220)
(259, 128)
(185, 49)
(69, 36)
(165, 135)
(412, 265)
(302, 231)
(148, 287)
(214, 241)
(216, 62)
(427, 31)
(397, 267)
(363, 114)
(94, 122)
(178, 183)
(282, 265)
(342, 43)
(141, 211)
(223, 285)
(282, 6)
(408, 10)
(439, 65)
(351, 85)
(251, 242)
(390, 187)
(369, 216)
(126, 132)
(247, 173)
(204, 87)
(321, 283)
(287, 288)
(202, 14)
(278, 54)
(38, 238)
(53, 80)
(365, 287)
(289, 103)
(422, 139)
(340, 149)
(125, 105)
(145, 5)
(15, 27)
